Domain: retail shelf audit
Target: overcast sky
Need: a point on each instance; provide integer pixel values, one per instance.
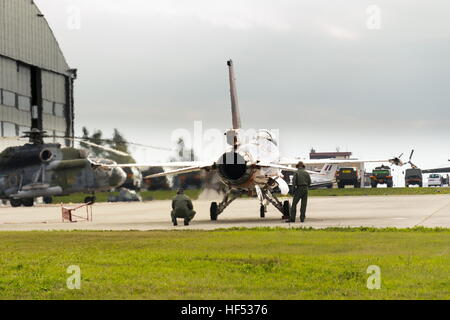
(327, 74)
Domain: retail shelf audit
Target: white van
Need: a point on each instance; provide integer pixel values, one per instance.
(435, 180)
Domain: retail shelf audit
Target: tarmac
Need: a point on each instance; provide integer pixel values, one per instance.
(323, 212)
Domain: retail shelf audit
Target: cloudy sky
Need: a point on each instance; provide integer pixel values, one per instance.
(371, 77)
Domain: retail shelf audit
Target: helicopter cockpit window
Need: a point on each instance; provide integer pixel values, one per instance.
(3, 181)
(13, 180)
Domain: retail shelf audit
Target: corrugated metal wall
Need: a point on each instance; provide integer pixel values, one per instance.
(15, 78)
(53, 87)
(27, 37)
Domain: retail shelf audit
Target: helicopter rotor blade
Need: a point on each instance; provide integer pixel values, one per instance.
(410, 157)
(11, 138)
(109, 141)
(87, 142)
(148, 147)
(120, 153)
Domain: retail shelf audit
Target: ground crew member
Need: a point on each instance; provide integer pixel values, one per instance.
(182, 208)
(300, 184)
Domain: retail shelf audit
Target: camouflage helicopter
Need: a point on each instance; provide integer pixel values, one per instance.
(40, 169)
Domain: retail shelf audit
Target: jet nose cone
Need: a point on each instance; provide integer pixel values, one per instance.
(118, 177)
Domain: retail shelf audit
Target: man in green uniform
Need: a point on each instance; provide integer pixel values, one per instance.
(182, 208)
(300, 184)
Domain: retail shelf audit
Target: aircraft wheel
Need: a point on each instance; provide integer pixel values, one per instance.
(15, 203)
(28, 202)
(262, 211)
(286, 209)
(89, 200)
(214, 211)
(48, 200)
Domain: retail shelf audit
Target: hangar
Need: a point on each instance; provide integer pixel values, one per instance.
(34, 75)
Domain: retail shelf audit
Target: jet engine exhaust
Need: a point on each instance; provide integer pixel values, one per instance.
(232, 167)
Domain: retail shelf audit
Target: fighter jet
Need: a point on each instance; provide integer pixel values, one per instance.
(247, 166)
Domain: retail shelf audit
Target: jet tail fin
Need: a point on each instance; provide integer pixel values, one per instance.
(234, 100)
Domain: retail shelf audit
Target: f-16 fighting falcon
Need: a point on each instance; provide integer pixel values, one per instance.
(252, 167)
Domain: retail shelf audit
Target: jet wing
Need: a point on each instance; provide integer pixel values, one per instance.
(291, 162)
(328, 172)
(275, 166)
(180, 171)
(182, 164)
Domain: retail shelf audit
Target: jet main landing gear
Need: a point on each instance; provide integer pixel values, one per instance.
(90, 199)
(262, 211)
(283, 207)
(216, 209)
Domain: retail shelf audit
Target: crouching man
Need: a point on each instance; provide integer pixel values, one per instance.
(182, 208)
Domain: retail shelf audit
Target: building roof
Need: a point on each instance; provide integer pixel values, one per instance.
(26, 36)
(328, 155)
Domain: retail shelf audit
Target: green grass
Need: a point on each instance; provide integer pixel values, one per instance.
(194, 194)
(227, 264)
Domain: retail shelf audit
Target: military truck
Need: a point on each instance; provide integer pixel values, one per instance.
(413, 177)
(347, 177)
(381, 175)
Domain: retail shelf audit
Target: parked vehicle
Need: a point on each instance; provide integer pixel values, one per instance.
(413, 177)
(347, 177)
(435, 180)
(381, 175)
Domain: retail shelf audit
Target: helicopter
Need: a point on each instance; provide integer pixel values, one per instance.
(39, 169)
